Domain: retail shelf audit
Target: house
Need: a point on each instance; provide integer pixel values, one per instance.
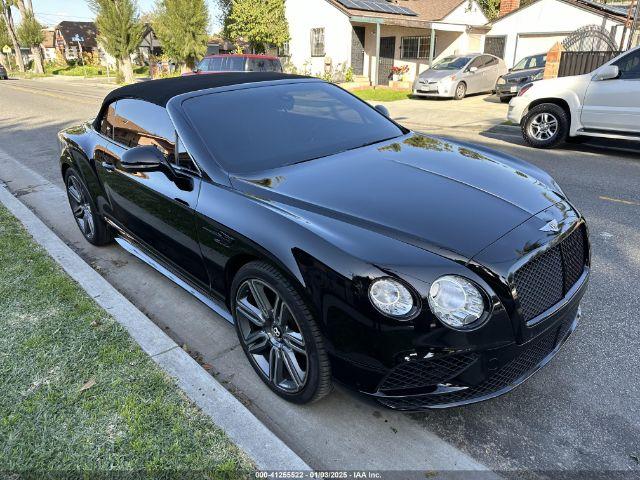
(150, 45)
(49, 44)
(536, 27)
(371, 36)
(66, 31)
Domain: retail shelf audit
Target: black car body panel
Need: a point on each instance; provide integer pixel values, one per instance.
(414, 208)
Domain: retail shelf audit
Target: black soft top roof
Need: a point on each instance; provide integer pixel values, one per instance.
(161, 91)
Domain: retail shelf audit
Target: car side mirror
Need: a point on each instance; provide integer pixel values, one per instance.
(473, 69)
(608, 72)
(383, 110)
(142, 158)
(195, 70)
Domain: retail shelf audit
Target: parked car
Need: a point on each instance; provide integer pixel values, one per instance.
(460, 75)
(422, 272)
(237, 63)
(3, 73)
(604, 103)
(529, 69)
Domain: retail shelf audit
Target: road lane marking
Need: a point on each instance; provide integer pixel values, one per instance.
(54, 95)
(618, 200)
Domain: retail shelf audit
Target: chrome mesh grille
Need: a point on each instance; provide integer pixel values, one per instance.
(544, 281)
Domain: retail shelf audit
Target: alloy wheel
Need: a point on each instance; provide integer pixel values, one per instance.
(543, 126)
(80, 207)
(271, 335)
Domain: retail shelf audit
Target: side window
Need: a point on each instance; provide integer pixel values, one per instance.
(629, 66)
(139, 123)
(106, 125)
(477, 62)
(204, 65)
(215, 64)
(489, 61)
(183, 159)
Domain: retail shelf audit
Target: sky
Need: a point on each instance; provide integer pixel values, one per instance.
(51, 12)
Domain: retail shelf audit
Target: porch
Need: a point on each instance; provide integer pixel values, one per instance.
(378, 44)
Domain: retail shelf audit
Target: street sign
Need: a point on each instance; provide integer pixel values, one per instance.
(77, 38)
(6, 49)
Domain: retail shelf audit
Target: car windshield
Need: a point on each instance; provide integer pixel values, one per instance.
(263, 65)
(535, 61)
(260, 128)
(451, 63)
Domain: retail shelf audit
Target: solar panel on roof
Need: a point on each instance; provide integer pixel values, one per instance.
(382, 6)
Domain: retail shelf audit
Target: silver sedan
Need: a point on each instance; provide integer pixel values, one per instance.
(460, 75)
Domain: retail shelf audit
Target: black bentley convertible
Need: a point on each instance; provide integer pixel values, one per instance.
(422, 272)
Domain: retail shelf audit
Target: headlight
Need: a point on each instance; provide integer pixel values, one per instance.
(456, 301)
(391, 297)
(501, 81)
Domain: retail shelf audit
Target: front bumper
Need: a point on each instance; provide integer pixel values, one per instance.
(475, 376)
(507, 90)
(433, 90)
(517, 108)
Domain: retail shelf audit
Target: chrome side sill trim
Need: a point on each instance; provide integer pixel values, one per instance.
(212, 304)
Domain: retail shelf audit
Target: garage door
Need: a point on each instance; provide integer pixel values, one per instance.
(534, 44)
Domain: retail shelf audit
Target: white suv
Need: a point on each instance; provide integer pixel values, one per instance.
(604, 103)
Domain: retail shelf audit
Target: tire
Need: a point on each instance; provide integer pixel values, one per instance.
(505, 99)
(545, 126)
(89, 221)
(277, 337)
(461, 91)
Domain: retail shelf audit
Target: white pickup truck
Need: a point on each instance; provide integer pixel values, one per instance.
(604, 103)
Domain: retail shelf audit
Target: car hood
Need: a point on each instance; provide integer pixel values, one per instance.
(433, 75)
(520, 74)
(439, 195)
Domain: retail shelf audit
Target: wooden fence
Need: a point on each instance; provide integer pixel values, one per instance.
(578, 63)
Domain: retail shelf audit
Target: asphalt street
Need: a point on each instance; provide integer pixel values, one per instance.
(579, 413)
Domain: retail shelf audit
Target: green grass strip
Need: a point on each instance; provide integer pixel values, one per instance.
(53, 341)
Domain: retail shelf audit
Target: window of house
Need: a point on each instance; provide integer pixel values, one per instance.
(415, 47)
(317, 42)
(283, 50)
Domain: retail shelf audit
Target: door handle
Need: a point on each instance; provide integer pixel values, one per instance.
(182, 202)
(108, 166)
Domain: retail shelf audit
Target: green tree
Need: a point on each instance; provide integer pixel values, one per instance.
(259, 22)
(5, 39)
(119, 31)
(181, 26)
(491, 8)
(5, 10)
(26, 12)
(30, 35)
(224, 7)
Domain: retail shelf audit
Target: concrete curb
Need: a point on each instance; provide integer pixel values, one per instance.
(243, 428)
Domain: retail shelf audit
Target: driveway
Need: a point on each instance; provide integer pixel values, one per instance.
(476, 112)
(579, 413)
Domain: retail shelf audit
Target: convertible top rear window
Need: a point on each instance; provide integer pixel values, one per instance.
(261, 128)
